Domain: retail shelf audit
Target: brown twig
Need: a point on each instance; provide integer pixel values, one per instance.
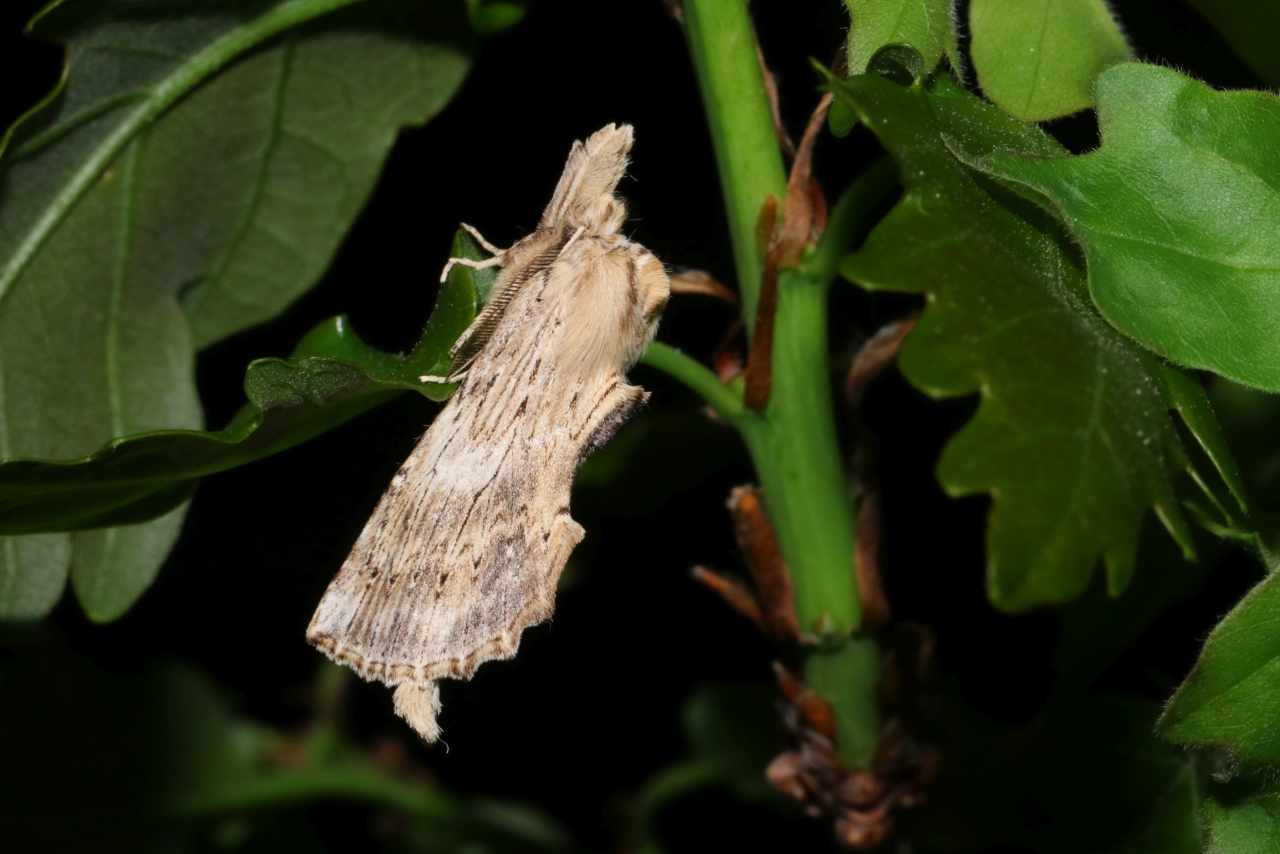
(736, 595)
(755, 538)
(771, 92)
(875, 355)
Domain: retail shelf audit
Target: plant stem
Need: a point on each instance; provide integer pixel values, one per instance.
(793, 443)
(722, 44)
(722, 398)
(797, 456)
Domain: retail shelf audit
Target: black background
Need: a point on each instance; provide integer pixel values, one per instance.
(591, 707)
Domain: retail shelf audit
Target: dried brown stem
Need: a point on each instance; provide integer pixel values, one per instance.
(736, 594)
(755, 538)
(702, 283)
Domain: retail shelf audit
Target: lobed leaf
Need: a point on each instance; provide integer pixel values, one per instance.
(332, 377)
(1038, 59)
(192, 175)
(1072, 438)
(1178, 214)
(1229, 699)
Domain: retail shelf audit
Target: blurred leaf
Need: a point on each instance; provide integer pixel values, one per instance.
(192, 175)
(1231, 699)
(730, 730)
(1088, 777)
(926, 25)
(1249, 26)
(332, 377)
(1178, 214)
(1072, 438)
(492, 16)
(1097, 629)
(223, 766)
(162, 756)
(1038, 59)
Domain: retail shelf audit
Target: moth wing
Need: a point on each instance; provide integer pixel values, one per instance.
(465, 548)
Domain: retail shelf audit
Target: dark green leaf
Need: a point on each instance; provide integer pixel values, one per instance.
(192, 175)
(730, 730)
(1086, 777)
(1187, 397)
(1232, 697)
(332, 377)
(492, 16)
(1038, 59)
(926, 25)
(1072, 438)
(1177, 213)
(1250, 26)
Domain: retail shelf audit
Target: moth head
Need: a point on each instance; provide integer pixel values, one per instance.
(584, 195)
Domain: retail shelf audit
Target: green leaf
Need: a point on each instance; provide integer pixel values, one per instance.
(1072, 438)
(1178, 214)
(494, 17)
(1187, 397)
(926, 25)
(1249, 825)
(332, 377)
(1231, 699)
(192, 175)
(730, 730)
(1087, 777)
(112, 567)
(1249, 26)
(1038, 59)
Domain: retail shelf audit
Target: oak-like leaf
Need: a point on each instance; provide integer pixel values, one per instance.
(192, 175)
(1072, 438)
(1178, 214)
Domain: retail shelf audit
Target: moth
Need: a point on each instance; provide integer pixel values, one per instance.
(464, 549)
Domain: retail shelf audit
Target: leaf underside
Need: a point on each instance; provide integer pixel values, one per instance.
(192, 176)
(1072, 438)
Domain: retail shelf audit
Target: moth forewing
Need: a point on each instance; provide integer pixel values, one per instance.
(464, 549)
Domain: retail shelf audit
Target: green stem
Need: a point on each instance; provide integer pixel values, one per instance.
(722, 44)
(797, 455)
(793, 443)
(722, 398)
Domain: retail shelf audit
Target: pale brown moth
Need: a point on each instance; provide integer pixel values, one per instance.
(465, 548)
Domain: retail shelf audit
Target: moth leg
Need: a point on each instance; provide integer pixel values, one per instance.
(489, 247)
(495, 261)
